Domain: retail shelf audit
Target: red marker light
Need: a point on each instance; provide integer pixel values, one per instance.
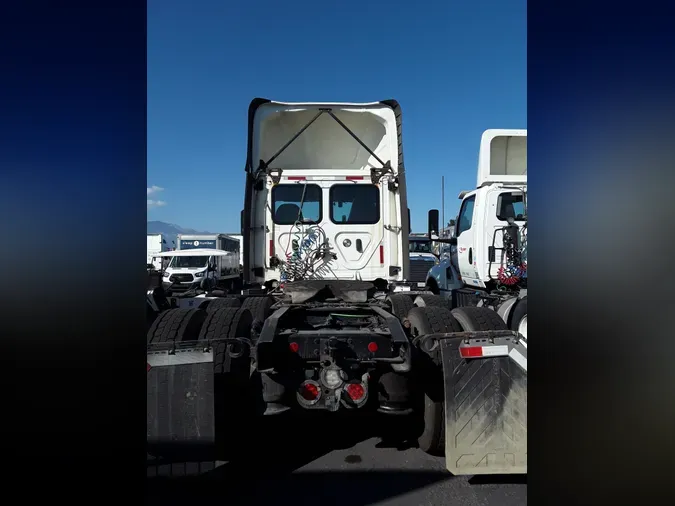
(355, 391)
(471, 351)
(148, 367)
(271, 247)
(354, 178)
(309, 391)
(381, 254)
(372, 347)
(294, 347)
(296, 178)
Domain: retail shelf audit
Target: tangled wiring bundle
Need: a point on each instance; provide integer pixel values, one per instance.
(510, 275)
(515, 269)
(309, 256)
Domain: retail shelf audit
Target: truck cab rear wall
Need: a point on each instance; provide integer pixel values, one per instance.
(329, 151)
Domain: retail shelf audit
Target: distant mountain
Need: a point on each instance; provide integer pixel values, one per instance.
(171, 231)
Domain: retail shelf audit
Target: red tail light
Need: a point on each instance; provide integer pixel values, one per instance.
(294, 347)
(355, 391)
(471, 351)
(372, 347)
(381, 254)
(309, 391)
(271, 247)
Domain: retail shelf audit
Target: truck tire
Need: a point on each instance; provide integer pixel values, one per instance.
(478, 318)
(216, 304)
(260, 308)
(400, 305)
(519, 316)
(150, 317)
(233, 401)
(176, 325)
(427, 299)
(227, 323)
(423, 321)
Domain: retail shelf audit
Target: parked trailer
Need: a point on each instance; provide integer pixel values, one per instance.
(337, 338)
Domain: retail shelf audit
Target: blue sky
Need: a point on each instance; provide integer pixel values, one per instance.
(456, 67)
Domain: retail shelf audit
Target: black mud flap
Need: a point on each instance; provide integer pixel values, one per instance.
(180, 405)
(485, 406)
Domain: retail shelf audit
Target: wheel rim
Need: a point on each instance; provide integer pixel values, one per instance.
(522, 326)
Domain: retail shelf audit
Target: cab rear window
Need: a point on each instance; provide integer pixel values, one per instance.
(355, 204)
(510, 205)
(296, 203)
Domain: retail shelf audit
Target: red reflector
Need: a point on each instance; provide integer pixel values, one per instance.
(381, 254)
(294, 347)
(471, 351)
(372, 347)
(354, 178)
(271, 247)
(355, 391)
(148, 367)
(296, 178)
(309, 391)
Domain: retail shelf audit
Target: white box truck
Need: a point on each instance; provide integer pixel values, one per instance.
(222, 242)
(156, 244)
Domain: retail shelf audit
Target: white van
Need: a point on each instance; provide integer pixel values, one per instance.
(190, 268)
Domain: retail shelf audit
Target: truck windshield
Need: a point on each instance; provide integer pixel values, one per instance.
(420, 247)
(355, 204)
(188, 262)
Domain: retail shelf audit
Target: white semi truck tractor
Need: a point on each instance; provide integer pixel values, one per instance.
(487, 264)
(322, 326)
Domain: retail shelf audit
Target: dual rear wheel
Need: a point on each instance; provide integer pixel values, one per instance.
(228, 329)
(433, 319)
(518, 320)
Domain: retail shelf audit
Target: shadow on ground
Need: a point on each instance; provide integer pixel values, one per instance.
(356, 488)
(499, 479)
(265, 471)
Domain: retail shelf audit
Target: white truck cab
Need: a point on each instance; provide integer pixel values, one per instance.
(325, 193)
(422, 258)
(325, 207)
(188, 269)
(488, 253)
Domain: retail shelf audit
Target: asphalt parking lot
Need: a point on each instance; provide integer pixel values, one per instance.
(343, 464)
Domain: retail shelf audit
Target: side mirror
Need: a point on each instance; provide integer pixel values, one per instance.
(432, 227)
